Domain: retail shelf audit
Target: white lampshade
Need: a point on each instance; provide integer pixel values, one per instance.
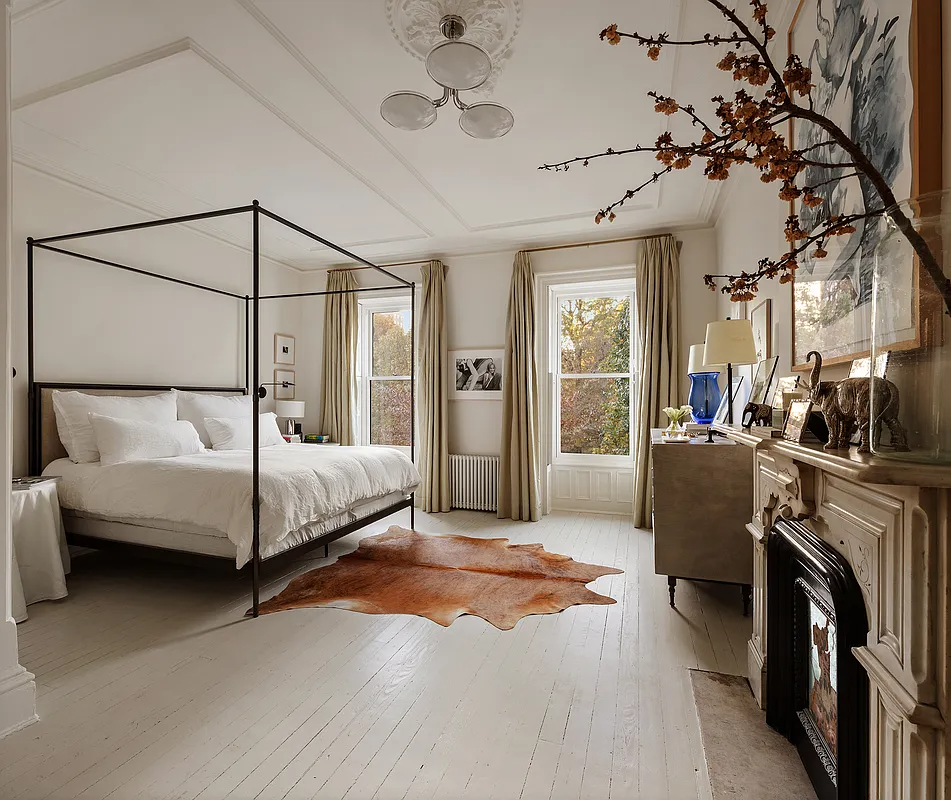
(730, 341)
(696, 363)
(289, 409)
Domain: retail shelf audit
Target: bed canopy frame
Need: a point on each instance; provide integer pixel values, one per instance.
(252, 377)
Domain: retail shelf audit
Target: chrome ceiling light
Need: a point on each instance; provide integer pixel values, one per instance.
(456, 66)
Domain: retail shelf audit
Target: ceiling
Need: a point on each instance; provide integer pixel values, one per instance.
(178, 106)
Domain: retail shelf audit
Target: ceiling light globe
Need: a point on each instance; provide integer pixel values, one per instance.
(486, 120)
(408, 111)
(458, 65)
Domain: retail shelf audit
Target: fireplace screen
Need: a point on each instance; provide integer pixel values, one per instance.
(823, 675)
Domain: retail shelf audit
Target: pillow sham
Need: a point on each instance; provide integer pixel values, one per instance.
(72, 410)
(234, 433)
(121, 440)
(195, 407)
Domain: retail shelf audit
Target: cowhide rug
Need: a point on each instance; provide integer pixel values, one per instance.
(443, 577)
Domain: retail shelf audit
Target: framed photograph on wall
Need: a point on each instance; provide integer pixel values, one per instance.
(761, 320)
(285, 349)
(876, 67)
(282, 376)
(476, 374)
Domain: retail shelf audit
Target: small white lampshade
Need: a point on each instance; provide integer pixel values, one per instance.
(730, 341)
(289, 409)
(696, 363)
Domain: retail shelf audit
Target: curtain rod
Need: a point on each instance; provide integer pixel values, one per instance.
(531, 250)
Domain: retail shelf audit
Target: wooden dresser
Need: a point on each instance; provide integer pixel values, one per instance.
(702, 498)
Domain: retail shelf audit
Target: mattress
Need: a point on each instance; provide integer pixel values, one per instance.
(304, 491)
(185, 538)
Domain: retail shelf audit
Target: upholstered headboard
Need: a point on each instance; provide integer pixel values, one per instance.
(45, 445)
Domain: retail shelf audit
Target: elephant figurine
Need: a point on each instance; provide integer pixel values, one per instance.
(845, 406)
(757, 414)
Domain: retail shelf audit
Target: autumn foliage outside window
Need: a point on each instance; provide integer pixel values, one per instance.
(388, 383)
(594, 375)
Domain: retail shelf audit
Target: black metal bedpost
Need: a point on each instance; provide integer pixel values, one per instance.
(255, 415)
(34, 457)
(412, 398)
(247, 343)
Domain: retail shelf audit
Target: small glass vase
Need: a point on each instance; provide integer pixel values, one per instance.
(676, 431)
(910, 412)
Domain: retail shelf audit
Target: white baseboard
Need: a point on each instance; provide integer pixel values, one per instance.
(17, 700)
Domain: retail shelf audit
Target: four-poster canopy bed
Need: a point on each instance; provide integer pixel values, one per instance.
(288, 473)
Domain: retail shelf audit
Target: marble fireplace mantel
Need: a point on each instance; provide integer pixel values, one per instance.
(890, 520)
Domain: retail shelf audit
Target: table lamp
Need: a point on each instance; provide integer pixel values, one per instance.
(291, 410)
(704, 388)
(729, 341)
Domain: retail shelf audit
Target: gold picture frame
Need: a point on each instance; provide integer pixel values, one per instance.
(919, 171)
(797, 420)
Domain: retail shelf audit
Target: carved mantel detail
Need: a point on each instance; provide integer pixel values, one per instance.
(785, 492)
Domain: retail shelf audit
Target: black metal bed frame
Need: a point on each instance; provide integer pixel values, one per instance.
(252, 377)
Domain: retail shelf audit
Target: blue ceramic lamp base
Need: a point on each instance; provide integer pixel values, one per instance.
(704, 396)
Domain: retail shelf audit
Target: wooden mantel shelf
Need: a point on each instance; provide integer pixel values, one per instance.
(851, 465)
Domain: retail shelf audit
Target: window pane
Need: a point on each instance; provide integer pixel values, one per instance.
(595, 416)
(391, 343)
(596, 335)
(390, 412)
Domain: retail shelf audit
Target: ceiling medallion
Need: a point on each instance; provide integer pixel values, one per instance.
(490, 24)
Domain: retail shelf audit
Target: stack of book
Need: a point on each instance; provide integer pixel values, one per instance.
(316, 438)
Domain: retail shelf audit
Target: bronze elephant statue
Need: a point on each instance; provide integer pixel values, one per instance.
(845, 405)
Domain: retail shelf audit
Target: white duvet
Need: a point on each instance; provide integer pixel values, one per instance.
(300, 484)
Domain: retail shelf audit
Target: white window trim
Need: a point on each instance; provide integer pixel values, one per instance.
(589, 287)
(367, 307)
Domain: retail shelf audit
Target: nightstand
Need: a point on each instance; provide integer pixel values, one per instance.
(702, 496)
(40, 554)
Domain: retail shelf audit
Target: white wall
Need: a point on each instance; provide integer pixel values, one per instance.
(97, 324)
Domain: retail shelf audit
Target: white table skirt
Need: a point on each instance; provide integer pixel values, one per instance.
(40, 554)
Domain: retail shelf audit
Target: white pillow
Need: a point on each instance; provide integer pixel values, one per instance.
(195, 407)
(72, 410)
(122, 440)
(234, 433)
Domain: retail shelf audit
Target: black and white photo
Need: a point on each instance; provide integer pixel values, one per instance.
(477, 374)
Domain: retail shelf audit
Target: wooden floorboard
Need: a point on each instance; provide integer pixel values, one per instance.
(153, 685)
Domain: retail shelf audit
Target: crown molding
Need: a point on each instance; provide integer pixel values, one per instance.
(30, 9)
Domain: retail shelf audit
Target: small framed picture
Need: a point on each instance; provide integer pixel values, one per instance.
(739, 401)
(285, 349)
(784, 386)
(284, 384)
(862, 367)
(477, 374)
(761, 320)
(797, 420)
(763, 380)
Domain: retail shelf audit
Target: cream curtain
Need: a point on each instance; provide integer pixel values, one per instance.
(657, 358)
(338, 387)
(519, 484)
(433, 391)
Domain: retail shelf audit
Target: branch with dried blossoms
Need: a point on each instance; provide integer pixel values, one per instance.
(748, 131)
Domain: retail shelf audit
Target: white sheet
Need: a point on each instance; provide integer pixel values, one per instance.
(300, 484)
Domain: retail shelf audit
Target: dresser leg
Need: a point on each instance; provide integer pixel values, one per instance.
(326, 551)
(747, 599)
(672, 588)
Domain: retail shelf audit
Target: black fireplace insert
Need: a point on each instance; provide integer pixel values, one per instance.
(816, 690)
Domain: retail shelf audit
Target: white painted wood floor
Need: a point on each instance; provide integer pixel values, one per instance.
(151, 684)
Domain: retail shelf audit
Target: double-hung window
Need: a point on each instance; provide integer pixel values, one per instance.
(594, 380)
(385, 353)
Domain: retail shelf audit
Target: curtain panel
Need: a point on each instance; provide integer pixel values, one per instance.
(519, 482)
(433, 391)
(657, 275)
(338, 387)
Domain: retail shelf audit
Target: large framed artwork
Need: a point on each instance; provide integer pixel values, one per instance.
(876, 67)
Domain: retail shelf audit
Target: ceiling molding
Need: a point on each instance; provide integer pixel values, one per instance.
(29, 9)
(560, 218)
(265, 22)
(87, 186)
(462, 252)
(189, 45)
(101, 74)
